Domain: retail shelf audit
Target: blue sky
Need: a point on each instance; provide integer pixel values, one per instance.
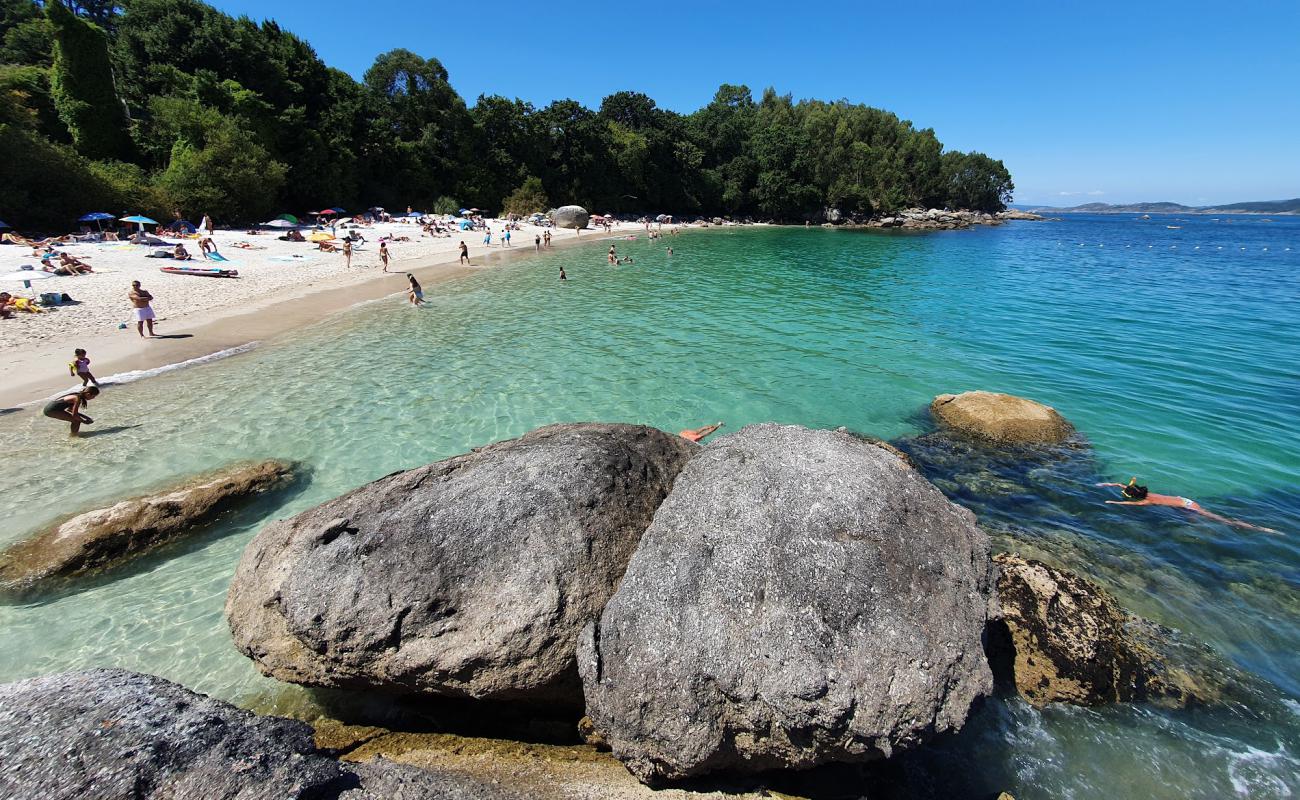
(1085, 101)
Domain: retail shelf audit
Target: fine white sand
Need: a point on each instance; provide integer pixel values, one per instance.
(276, 269)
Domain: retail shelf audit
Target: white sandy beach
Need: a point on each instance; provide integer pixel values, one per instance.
(218, 313)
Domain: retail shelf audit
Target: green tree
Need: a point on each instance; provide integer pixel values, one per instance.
(525, 200)
(228, 175)
(81, 83)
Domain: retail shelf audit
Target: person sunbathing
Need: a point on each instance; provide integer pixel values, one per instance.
(75, 265)
(1136, 495)
(181, 254)
(247, 246)
(326, 247)
(6, 305)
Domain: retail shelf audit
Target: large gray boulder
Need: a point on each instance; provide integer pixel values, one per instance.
(802, 597)
(471, 577)
(575, 217)
(102, 538)
(109, 734)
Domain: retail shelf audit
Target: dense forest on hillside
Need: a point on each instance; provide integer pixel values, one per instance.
(154, 105)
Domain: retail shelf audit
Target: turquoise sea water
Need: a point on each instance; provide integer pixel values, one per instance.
(1175, 351)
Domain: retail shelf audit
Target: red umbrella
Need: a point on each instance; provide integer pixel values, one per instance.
(325, 213)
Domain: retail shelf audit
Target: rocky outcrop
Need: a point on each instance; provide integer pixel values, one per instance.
(1000, 418)
(802, 597)
(118, 734)
(99, 539)
(575, 217)
(1063, 639)
(471, 577)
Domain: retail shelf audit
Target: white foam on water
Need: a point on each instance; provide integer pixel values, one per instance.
(132, 376)
(1257, 773)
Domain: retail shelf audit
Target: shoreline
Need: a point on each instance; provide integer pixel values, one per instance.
(212, 332)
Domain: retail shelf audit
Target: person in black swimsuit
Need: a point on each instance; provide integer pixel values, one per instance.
(68, 408)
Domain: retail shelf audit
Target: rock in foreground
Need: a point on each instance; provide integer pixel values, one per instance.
(471, 577)
(1066, 640)
(104, 537)
(802, 597)
(117, 734)
(1000, 418)
(575, 217)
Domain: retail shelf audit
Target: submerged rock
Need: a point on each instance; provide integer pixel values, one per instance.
(471, 577)
(802, 597)
(1063, 639)
(104, 537)
(1000, 418)
(575, 217)
(117, 734)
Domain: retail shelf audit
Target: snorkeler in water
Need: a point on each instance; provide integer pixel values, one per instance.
(1137, 495)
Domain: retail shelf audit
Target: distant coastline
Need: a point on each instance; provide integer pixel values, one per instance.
(1265, 207)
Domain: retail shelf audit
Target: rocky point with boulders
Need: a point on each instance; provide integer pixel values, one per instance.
(802, 597)
(471, 577)
(110, 733)
(97, 540)
(931, 219)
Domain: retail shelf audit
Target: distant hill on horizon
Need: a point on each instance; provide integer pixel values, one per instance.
(1255, 207)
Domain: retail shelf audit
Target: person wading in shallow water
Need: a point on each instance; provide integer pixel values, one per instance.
(1135, 495)
(68, 408)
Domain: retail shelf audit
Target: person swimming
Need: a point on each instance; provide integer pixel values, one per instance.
(696, 434)
(1135, 494)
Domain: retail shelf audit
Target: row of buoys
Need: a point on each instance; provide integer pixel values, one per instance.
(1175, 247)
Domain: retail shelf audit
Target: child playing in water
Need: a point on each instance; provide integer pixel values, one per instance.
(80, 367)
(1135, 495)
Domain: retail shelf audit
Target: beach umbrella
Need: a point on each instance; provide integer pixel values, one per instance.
(320, 236)
(329, 212)
(338, 210)
(96, 217)
(415, 213)
(288, 218)
(139, 220)
(345, 221)
(27, 276)
(279, 222)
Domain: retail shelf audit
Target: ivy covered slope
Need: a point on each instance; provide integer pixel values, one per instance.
(155, 105)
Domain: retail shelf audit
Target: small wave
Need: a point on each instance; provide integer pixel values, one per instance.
(119, 378)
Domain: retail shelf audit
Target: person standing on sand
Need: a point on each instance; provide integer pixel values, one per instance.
(205, 226)
(347, 252)
(140, 300)
(505, 237)
(207, 247)
(1135, 495)
(546, 237)
(537, 243)
(464, 253)
(383, 254)
(68, 408)
(80, 367)
(487, 237)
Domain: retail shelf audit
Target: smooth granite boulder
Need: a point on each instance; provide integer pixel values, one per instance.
(1000, 418)
(802, 597)
(471, 577)
(104, 537)
(1063, 639)
(110, 734)
(575, 217)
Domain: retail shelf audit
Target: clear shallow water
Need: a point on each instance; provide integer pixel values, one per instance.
(1178, 363)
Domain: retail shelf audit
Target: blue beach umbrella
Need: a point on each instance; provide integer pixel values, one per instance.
(96, 217)
(139, 220)
(415, 214)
